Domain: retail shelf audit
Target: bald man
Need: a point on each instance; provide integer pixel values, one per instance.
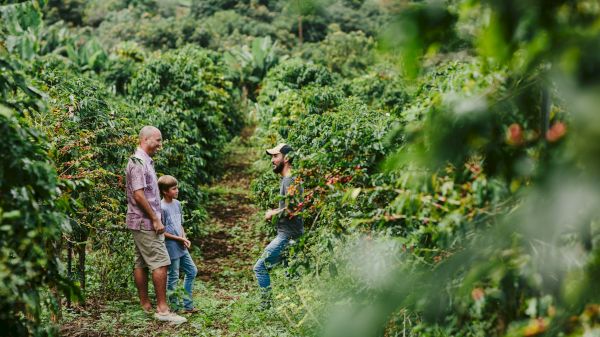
(144, 221)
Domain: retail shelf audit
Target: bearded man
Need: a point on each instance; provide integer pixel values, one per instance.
(289, 226)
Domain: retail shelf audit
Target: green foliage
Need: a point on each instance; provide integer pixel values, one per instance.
(346, 53)
(122, 65)
(357, 16)
(108, 268)
(22, 28)
(312, 16)
(350, 135)
(70, 11)
(88, 56)
(249, 66)
(29, 37)
(153, 32)
(417, 29)
(169, 33)
(92, 135)
(193, 108)
(293, 74)
(31, 211)
(461, 266)
(203, 9)
(380, 89)
(229, 29)
(494, 283)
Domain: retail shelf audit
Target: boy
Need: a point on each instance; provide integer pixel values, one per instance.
(177, 244)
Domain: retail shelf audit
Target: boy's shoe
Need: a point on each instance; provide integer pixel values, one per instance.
(170, 317)
(190, 311)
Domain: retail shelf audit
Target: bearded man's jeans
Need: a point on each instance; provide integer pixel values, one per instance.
(270, 257)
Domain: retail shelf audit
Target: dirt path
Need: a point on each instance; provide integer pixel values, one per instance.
(230, 241)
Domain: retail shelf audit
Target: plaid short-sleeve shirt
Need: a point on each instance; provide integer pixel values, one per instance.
(140, 174)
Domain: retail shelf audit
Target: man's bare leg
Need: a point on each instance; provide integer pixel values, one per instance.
(140, 275)
(159, 277)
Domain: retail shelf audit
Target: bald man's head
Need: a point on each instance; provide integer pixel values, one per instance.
(150, 139)
(148, 131)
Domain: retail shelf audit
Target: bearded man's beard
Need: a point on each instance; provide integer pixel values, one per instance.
(279, 168)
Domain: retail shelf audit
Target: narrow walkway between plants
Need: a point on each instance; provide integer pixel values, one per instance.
(226, 249)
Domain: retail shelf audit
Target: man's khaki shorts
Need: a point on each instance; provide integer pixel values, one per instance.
(150, 250)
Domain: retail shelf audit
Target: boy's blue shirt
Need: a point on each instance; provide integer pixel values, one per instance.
(173, 220)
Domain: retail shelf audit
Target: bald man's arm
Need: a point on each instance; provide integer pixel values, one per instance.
(142, 202)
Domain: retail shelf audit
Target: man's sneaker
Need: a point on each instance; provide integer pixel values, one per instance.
(170, 317)
(265, 305)
(266, 299)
